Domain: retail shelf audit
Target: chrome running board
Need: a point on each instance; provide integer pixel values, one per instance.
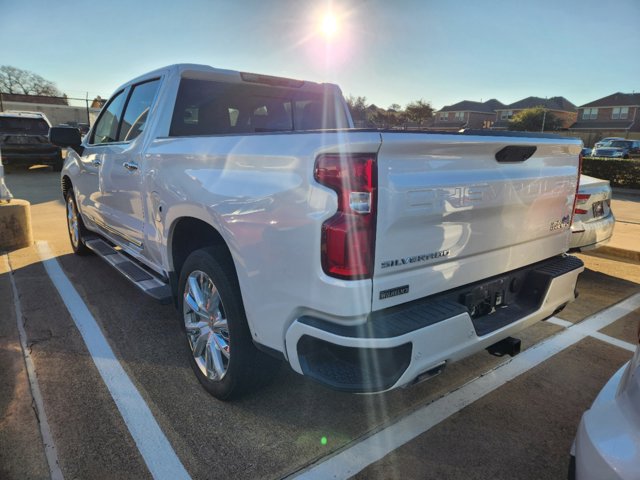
(144, 279)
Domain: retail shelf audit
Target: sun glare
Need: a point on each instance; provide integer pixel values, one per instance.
(329, 25)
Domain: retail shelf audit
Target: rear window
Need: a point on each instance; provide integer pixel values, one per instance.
(205, 107)
(32, 126)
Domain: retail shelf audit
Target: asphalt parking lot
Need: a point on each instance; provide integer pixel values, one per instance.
(484, 417)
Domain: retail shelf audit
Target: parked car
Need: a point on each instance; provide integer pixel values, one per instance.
(593, 220)
(607, 444)
(24, 140)
(617, 149)
(604, 141)
(586, 151)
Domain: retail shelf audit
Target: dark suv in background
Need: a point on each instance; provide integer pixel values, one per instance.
(24, 140)
(616, 148)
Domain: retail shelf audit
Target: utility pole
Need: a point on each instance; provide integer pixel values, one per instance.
(86, 99)
(544, 117)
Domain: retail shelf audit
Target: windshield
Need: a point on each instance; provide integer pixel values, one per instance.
(31, 126)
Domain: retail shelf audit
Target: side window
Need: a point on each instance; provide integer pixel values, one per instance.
(106, 130)
(135, 115)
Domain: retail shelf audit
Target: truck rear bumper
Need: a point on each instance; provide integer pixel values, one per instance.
(397, 346)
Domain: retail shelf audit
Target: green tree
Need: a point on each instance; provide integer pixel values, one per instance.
(419, 111)
(18, 81)
(532, 120)
(358, 108)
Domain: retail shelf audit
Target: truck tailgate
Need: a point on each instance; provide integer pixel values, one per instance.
(450, 213)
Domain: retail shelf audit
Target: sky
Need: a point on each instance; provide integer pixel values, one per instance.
(391, 52)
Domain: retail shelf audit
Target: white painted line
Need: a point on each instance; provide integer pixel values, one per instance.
(355, 458)
(560, 322)
(614, 341)
(591, 326)
(161, 460)
(609, 315)
(50, 451)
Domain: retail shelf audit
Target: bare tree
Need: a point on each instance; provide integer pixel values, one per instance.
(18, 81)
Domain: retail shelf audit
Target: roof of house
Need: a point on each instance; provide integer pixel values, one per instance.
(553, 103)
(18, 97)
(616, 100)
(489, 106)
(612, 125)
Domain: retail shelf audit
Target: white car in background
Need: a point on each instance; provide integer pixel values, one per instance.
(607, 445)
(593, 220)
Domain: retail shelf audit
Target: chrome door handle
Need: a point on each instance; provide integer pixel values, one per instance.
(131, 166)
(96, 163)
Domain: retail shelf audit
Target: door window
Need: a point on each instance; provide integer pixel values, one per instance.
(135, 115)
(106, 130)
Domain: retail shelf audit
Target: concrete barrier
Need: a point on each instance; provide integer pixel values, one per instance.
(15, 225)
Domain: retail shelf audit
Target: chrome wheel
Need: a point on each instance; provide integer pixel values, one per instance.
(72, 222)
(205, 322)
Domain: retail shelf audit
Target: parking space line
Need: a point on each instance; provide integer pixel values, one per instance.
(50, 451)
(598, 335)
(560, 322)
(155, 449)
(613, 341)
(361, 454)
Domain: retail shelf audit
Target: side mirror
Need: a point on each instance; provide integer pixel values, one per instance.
(66, 137)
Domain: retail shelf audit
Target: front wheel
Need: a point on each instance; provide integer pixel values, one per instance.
(223, 356)
(75, 226)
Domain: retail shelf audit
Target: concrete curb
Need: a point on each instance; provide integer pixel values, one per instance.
(615, 253)
(625, 191)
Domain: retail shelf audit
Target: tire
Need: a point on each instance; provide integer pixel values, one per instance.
(221, 351)
(75, 227)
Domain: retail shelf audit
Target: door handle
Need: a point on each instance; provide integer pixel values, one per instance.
(131, 166)
(96, 162)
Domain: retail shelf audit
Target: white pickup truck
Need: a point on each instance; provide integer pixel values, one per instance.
(366, 259)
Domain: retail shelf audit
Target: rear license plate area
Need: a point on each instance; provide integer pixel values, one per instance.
(598, 209)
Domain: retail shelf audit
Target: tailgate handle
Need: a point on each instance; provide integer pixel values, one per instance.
(515, 153)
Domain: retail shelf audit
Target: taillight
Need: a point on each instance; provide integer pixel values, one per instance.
(348, 237)
(575, 199)
(581, 199)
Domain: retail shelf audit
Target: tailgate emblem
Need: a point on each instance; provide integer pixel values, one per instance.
(560, 224)
(394, 292)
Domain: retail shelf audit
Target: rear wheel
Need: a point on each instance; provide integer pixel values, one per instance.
(223, 355)
(75, 226)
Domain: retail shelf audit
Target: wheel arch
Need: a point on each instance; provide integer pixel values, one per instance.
(66, 185)
(187, 235)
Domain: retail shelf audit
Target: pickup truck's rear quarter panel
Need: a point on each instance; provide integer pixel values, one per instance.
(258, 192)
(450, 214)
